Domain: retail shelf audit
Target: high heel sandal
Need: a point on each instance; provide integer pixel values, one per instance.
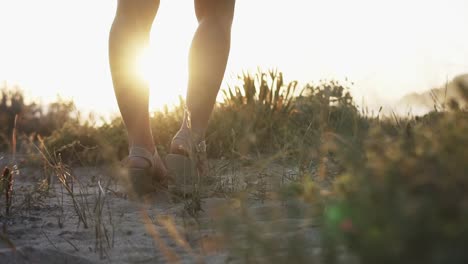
(144, 180)
(187, 164)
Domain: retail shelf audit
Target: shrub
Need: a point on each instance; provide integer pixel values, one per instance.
(254, 116)
(327, 106)
(407, 200)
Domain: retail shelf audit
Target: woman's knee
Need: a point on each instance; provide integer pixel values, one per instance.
(137, 13)
(219, 11)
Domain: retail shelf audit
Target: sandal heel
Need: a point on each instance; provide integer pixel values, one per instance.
(139, 181)
(142, 181)
(184, 174)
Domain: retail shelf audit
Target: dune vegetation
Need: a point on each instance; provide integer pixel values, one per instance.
(301, 173)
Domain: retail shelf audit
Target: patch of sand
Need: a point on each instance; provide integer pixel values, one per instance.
(46, 228)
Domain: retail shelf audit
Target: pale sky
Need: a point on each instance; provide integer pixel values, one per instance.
(388, 48)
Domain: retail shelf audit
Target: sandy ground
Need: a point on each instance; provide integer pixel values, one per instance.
(44, 226)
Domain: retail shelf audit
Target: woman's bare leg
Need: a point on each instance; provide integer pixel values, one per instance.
(207, 63)
(129, 35)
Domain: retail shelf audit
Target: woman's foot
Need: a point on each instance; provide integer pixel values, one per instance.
(193, 146)
(146, 170)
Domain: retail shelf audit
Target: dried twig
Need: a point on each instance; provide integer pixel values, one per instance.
(7, 178)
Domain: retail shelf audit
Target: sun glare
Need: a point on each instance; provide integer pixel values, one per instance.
(143, 65)
(166, 73)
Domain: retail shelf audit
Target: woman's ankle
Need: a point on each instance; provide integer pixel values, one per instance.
(195, 135)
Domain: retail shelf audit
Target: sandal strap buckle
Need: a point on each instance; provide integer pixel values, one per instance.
(201, 147)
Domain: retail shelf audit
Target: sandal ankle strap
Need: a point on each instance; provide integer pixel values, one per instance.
(140, 152)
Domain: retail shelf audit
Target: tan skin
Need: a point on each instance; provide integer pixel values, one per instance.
(207, 63)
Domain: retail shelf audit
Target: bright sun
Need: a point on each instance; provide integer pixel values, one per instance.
(143, 65)
(166, 82)
(164, 64)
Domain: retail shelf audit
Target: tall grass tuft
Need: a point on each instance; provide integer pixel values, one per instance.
(254, 116)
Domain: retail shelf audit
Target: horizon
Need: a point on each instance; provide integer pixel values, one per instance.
(388, 49)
